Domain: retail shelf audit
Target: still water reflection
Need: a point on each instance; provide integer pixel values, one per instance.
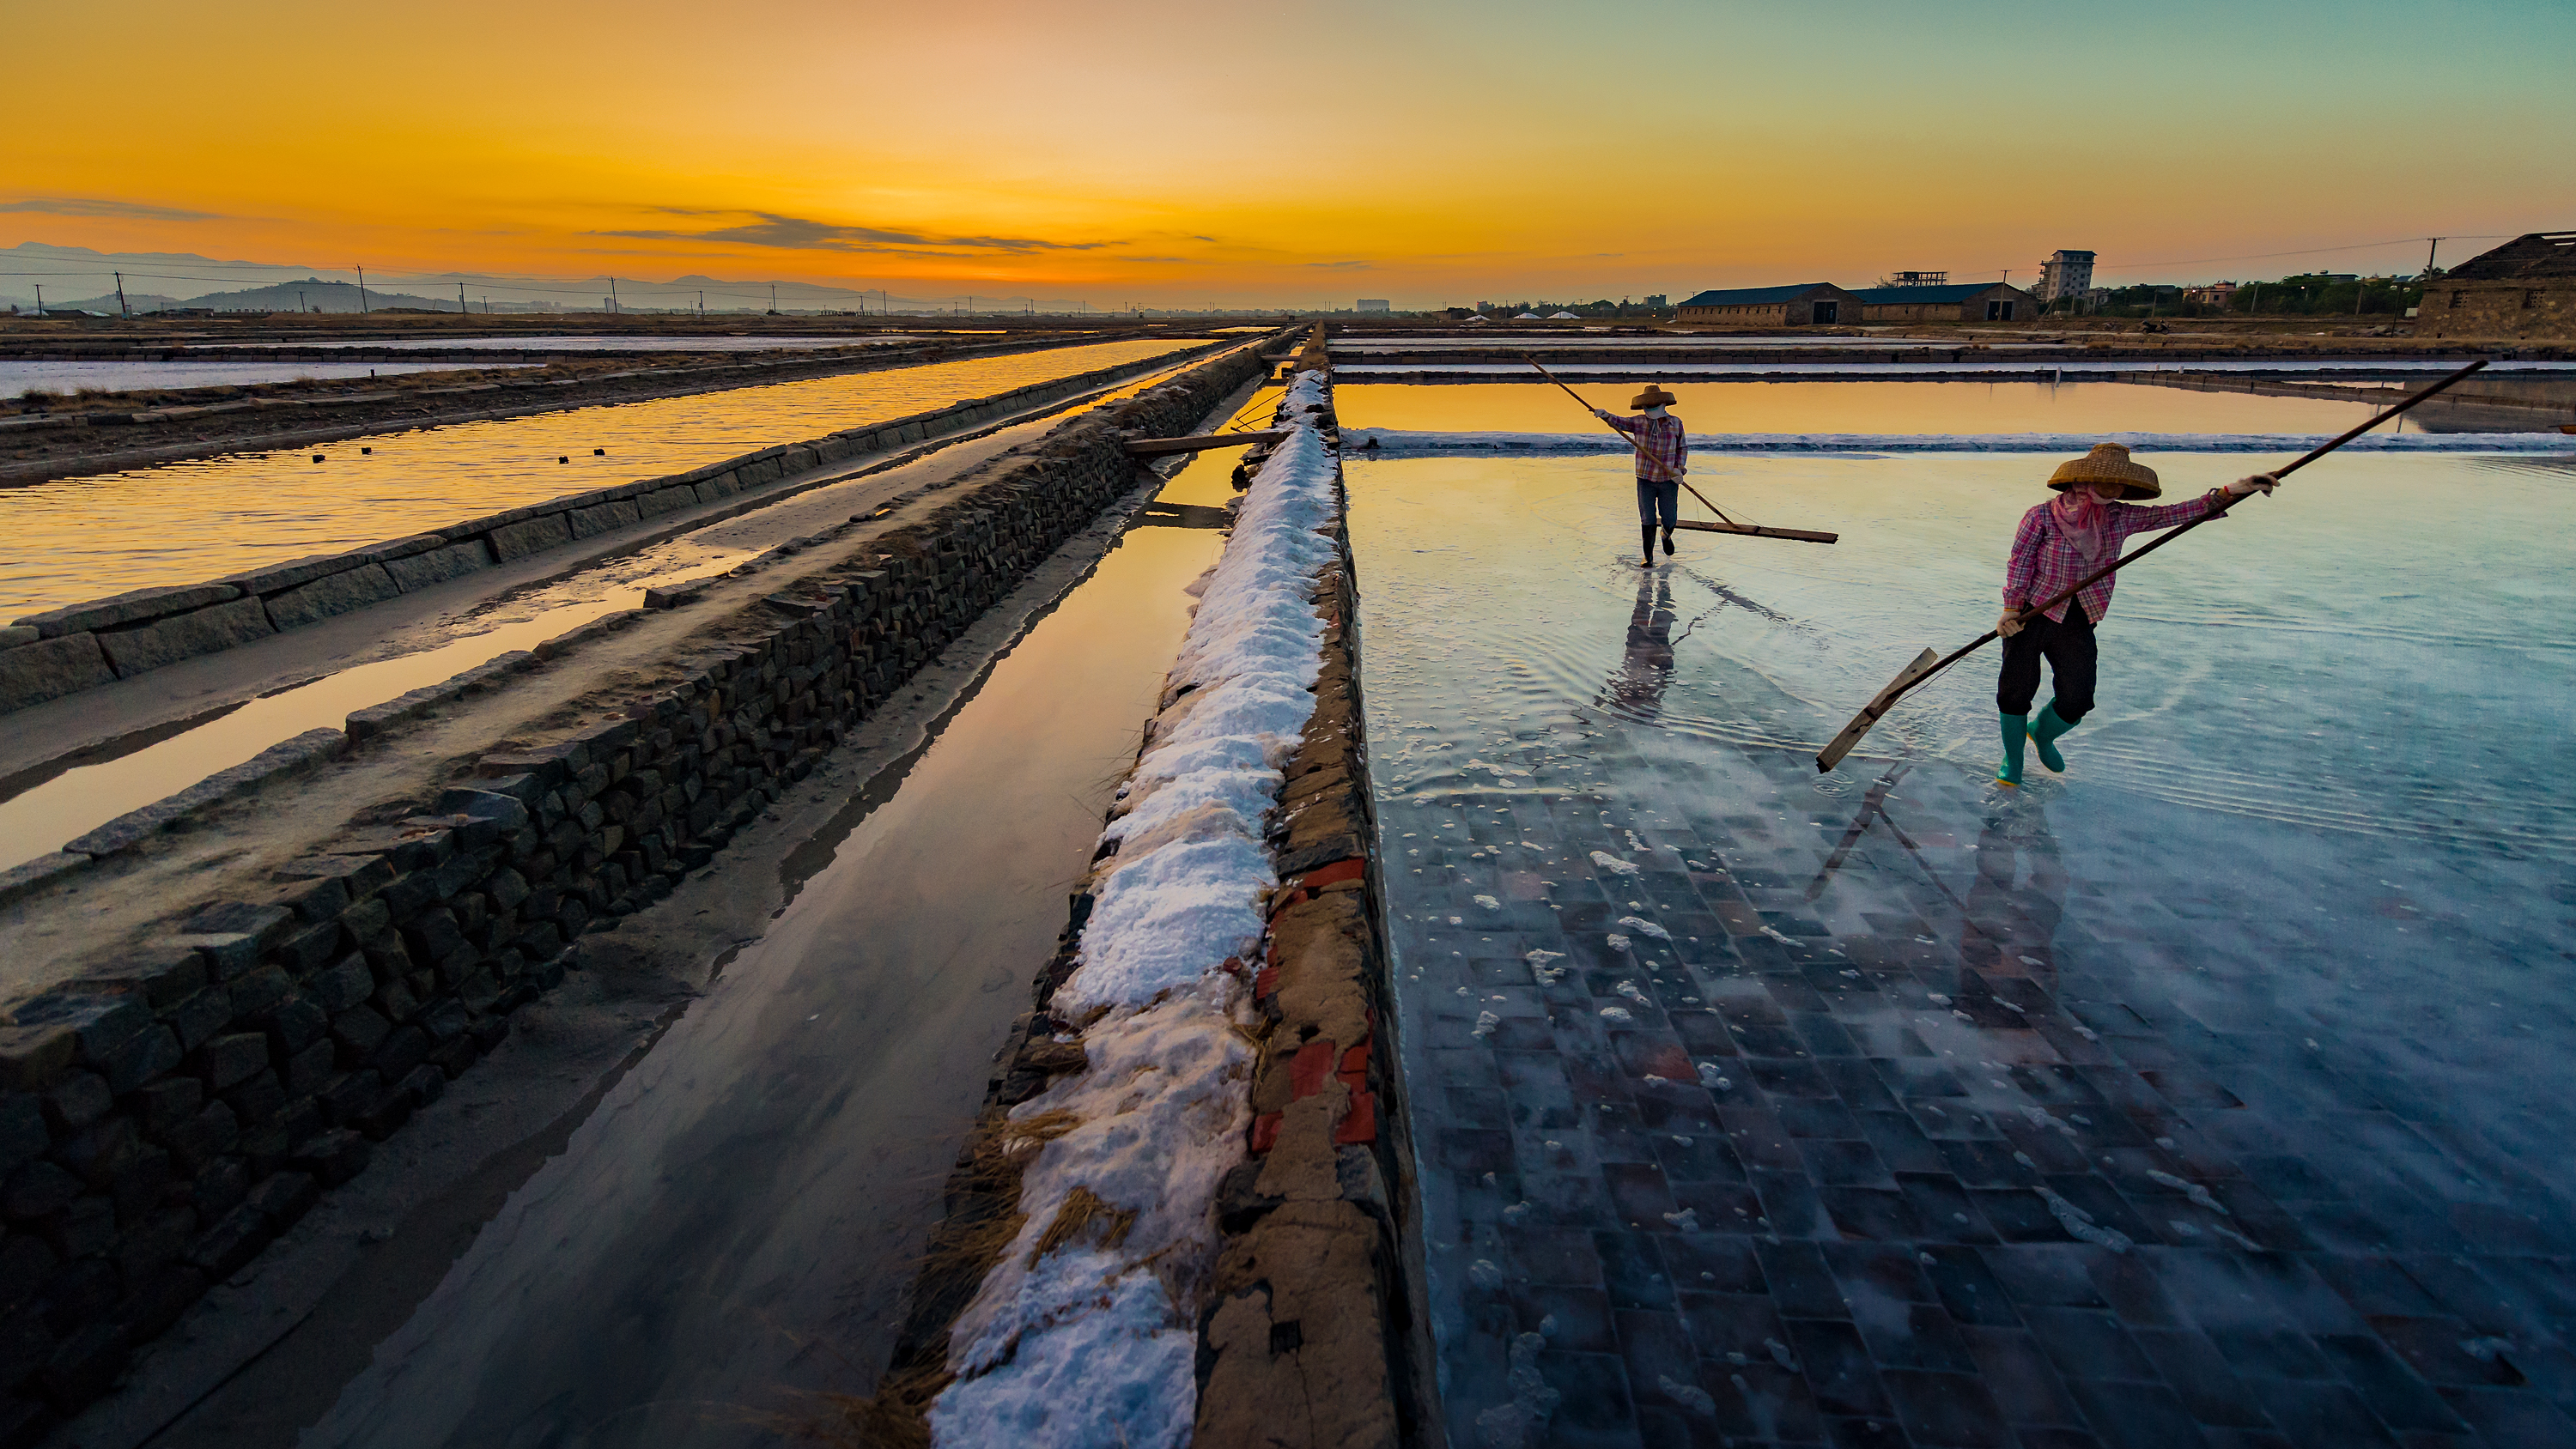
(83, 538)
(1851, 407)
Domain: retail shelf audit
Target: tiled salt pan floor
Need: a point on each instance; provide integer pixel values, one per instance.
(1890, 1110)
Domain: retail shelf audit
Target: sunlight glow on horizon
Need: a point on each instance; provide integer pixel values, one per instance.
(1430, 151)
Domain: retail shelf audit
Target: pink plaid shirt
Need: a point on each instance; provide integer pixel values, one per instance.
(1659, 446)
(2043, 565)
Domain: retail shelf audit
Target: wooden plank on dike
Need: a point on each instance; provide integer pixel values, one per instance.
(1157, 447)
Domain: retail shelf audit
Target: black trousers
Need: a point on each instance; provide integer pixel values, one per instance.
(2067, 645)
(1652, 496)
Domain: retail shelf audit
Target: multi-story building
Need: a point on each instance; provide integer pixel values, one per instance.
(2065, 274)
(1375, 304)
(1918, 279)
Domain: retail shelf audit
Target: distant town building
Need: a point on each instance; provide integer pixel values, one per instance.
(2525, 288)
(1918, 279)
(1656, 302)
(1966, 302)
(1375, 304)
(1807, 304)
(2065, 274)
(2216, 294)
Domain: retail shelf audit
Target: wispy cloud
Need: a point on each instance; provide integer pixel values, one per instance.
(796, 233)
(103, 206)
(1351, 266)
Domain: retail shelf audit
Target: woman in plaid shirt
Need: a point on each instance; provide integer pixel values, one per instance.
(1657, 438)
(2060, 542)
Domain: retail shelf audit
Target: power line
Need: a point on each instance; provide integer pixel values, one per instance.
(2308, 251)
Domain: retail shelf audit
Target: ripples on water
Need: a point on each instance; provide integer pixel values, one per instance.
(2370, 651)
(82, 538)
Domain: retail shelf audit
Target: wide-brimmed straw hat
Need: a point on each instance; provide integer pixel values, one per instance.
(2108, 463)
(1653, 397)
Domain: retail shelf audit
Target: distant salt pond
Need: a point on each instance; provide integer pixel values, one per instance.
(1898, 408)
(65, 378)
(595, 342)
(83, 538)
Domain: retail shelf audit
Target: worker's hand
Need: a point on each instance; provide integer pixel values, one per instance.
(2009, 624)
(1601, 413)
(2262, 483)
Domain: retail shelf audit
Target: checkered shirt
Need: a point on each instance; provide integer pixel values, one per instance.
(1659, 446)
(2044, 565)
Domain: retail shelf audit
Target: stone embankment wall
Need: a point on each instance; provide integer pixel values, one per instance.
(1309, 1331)
(161, 1120)
(82, 646)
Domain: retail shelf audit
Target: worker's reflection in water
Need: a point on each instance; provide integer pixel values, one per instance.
(1645, 671)
(2008, 921)
(2011, 918)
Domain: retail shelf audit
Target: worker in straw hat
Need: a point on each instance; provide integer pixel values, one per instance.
(1657, 436)
(2060, 543)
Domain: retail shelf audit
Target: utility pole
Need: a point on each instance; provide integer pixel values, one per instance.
(362, 291)
(40, 299)
(612, 296)
(702, 304)
(299, 301)
(2432, 244)
(773, 299)
(121, 309)
(460, 299)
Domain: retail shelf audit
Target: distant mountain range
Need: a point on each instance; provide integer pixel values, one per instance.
(78, 278)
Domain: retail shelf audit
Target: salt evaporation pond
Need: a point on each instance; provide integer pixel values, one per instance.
(176, 523)
(613, 342)
(2223, 1082)
(17, 378)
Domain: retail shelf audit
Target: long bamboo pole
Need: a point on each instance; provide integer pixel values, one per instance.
(1925, 665)
(1725, 524)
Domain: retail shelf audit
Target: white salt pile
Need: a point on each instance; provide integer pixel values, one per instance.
(1087, 1335)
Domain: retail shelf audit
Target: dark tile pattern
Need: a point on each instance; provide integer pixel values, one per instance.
(1908, 1132)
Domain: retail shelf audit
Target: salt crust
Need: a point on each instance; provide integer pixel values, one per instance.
(1095, 1344)
(1393, 441)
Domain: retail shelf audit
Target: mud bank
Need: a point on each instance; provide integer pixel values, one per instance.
(193, 1091)
(1187, 1187)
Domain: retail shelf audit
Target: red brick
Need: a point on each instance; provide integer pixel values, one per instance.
(1359, 1128)
(1308, 1070)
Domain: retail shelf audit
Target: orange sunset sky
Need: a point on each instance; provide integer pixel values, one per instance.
(1431, 151)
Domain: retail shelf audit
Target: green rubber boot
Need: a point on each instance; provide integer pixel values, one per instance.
(2016, 730)
(2044, 729)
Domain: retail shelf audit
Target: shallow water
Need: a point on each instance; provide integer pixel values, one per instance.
(597, 342)
(83, 538)
(2269, 985)
(43, 807)
(70, 377)
(1851, 407)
